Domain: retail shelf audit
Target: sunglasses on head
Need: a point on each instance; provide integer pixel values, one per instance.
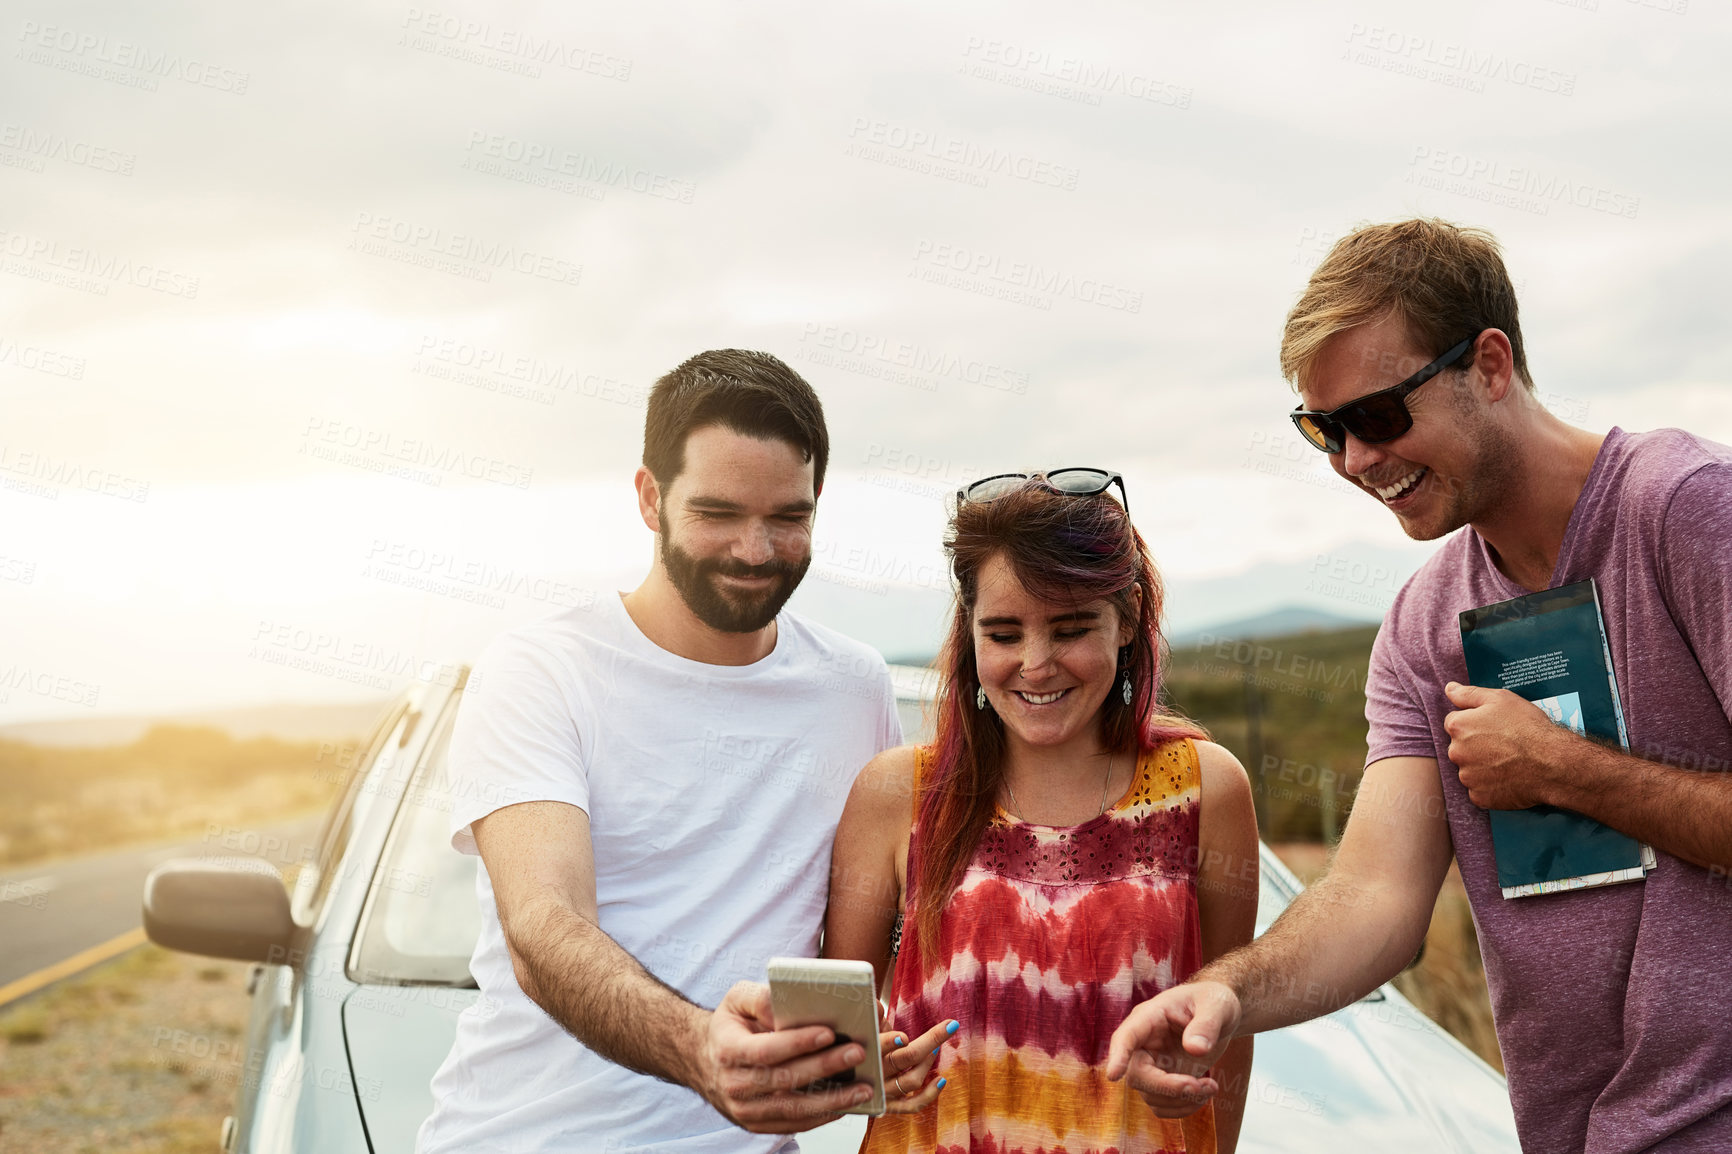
(1376, 417)
(1072, 482)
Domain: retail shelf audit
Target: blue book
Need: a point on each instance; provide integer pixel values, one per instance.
(1550, 647)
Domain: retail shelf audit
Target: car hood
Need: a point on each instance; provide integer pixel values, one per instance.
(1376, 1075)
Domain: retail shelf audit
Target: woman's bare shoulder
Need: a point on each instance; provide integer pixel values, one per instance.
(1222, 777)
(1226, 794)
(1216, 760)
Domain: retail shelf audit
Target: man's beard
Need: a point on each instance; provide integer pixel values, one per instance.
(1465, 501)
(730, 613)
(1490, 479)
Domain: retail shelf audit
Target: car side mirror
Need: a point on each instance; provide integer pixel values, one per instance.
(219, 907)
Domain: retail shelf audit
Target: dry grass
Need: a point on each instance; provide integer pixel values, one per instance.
(90, 1066)
(1292, 709)
(174, 781)
(1448, 984)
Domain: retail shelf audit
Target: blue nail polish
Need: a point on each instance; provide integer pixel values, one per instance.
(935, 1049)
(901, 1041)
(953, 1027)
(941, 1082)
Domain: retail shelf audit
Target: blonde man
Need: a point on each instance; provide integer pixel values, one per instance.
(1612, 1004)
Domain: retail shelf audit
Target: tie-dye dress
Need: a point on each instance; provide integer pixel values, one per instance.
(1052, 937)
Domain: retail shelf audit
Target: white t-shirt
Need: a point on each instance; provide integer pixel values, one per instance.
(713, 794)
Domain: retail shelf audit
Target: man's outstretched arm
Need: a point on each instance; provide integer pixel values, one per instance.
(539, 858)
(1342, 938)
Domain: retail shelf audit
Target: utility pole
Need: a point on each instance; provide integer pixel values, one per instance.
(1254, 747)
(1326, 804)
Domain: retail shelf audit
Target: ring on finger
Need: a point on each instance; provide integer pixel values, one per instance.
(898, 1081)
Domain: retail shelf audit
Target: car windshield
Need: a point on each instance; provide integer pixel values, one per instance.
(421, 919)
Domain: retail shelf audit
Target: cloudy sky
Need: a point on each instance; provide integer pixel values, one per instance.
(327, 328)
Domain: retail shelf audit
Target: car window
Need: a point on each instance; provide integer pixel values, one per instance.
(421, 920)
(1273, 896)
(917, 723)
(313, 883)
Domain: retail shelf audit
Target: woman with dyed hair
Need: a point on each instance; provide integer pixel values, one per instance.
(1065, 848)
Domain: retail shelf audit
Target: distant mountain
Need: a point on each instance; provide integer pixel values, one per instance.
(1353, 582)
(289, 722)
(1283, 622)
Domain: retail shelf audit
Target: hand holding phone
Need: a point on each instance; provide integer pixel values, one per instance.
(839, 994)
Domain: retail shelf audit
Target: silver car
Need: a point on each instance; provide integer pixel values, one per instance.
(363, 970)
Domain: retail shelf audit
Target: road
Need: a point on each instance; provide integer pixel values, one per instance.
(55, 910)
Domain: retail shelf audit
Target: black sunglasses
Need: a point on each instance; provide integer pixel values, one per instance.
(1376, 417)
(1072, 482)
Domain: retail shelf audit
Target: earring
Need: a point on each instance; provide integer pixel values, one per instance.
(1126, 691)
(980, 697)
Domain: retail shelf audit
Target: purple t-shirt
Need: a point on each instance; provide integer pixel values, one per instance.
(1613, 1005)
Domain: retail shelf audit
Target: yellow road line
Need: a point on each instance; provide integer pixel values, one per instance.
(65, 968)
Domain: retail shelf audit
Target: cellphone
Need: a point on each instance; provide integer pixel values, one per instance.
(839, 994)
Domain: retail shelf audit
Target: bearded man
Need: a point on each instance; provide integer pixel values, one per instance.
(653, 785)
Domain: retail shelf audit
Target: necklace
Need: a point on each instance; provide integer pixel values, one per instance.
(1016, 806)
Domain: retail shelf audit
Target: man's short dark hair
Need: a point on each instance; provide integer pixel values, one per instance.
(751, 393)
